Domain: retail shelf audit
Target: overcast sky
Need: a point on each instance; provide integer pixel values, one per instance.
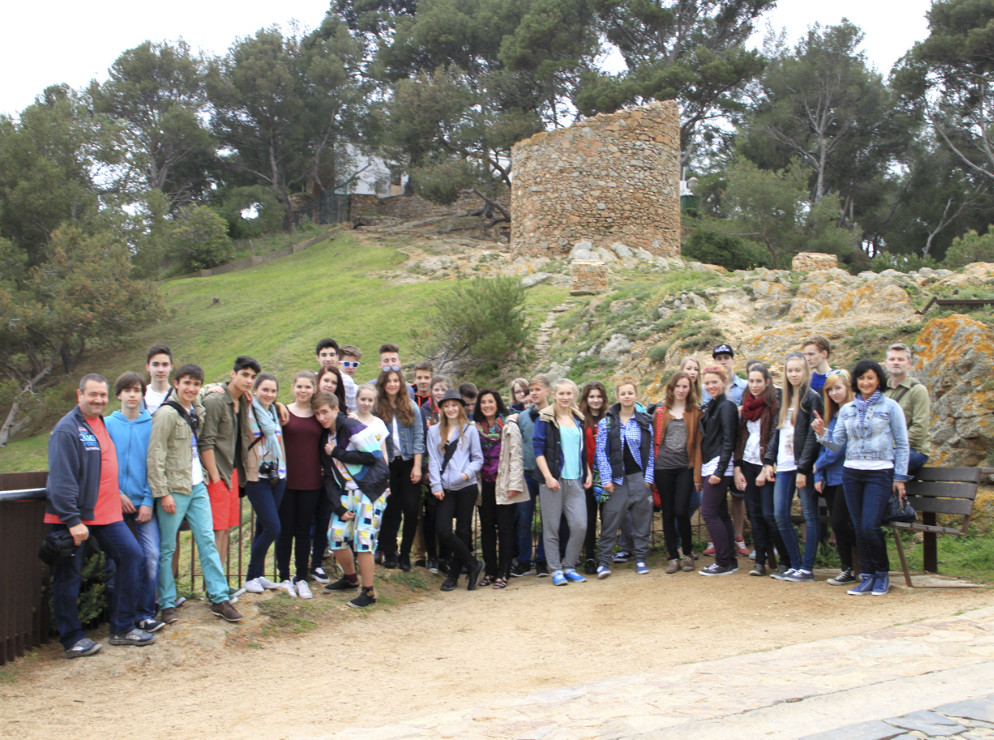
(47, 43)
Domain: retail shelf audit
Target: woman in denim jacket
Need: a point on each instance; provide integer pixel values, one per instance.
(405, 447)
(873, 431)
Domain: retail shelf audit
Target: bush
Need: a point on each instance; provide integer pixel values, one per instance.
(971, 247)
(200, 239)
(477, 326)
(900, 262)
(731, 252)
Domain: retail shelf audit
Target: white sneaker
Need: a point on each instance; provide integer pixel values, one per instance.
(253, 586)
(288, 587)
(267, 584)
(303, 590)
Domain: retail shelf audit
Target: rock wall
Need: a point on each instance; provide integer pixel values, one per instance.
(611, 178)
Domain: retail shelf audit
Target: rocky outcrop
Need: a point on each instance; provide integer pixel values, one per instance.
(588, 277)
(813, 261)
(954, 357)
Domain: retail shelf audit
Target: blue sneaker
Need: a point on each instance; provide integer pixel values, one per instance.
(558, 579)
(572, 575)
(865, 585)
(641, 568)
(603, 571)
(881, 584)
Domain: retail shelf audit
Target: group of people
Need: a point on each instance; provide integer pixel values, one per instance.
(354, 467)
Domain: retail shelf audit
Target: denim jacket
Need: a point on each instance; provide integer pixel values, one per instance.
(412, 438)
(883, 436)
(828, 466)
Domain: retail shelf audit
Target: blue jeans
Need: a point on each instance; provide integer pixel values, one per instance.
(119, 545)
(916, 460)
(867, 493)
(759, 505)
(783, 497)
(523, 520)
(148, 538)
(265, 499)
(196, 509)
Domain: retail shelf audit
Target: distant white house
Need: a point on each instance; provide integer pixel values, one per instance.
(373, 176)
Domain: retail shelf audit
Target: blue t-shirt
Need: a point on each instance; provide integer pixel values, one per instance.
(569, 438)
(818, 381)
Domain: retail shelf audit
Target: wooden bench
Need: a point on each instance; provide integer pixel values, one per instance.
(937, 491)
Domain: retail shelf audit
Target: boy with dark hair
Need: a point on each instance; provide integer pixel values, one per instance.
(469, 392)
(177, 482)
(539, 387)
(222, 440)
(158, 363)
(130, 428)
(328, 353)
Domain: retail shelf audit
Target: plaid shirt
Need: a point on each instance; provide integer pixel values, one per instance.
(631, 434)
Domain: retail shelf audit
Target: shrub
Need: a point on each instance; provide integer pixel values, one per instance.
(200, 239)
(477, 326)
(731, 252)
(971, 247)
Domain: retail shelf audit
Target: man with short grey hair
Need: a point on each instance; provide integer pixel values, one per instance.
(912, 396)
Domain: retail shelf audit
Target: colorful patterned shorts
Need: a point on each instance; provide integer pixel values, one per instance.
(362, 531)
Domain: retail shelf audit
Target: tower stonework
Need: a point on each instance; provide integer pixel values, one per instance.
(611, 178)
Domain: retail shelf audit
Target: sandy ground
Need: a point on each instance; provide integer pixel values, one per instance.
(440, 652)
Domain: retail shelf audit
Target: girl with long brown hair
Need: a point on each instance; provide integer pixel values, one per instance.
(405, 447)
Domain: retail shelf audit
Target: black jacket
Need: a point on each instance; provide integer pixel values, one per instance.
(805, 441)
(613, 445)
(719, 426)
(376, 478)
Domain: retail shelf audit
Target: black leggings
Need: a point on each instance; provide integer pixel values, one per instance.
(845, 537)
(297, 510)
(496, 522)
(590, 539)
(675, 487)
(404, 500)
(459, 504)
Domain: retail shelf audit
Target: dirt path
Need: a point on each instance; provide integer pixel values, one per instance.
(439, 653)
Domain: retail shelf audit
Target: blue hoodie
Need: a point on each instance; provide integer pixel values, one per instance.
(131, 440)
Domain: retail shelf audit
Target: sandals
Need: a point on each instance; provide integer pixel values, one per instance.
(500, 583)
(485, 581)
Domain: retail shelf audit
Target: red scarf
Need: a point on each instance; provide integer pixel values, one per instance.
(752, 407)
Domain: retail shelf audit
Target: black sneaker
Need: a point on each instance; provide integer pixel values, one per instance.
(134, 637)
(719, 570)
(450, 582)
(318, 574)
(432, 566)
(404, 563)
(342, 584)
(150, 625)
(590, 567)
(541, 569)
(521, 569)
(473, 576)
(364, 599)
(845, 577)
(422, 563)
(168, 615)
(390, 561)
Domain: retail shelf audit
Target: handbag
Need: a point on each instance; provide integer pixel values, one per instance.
(898, 511)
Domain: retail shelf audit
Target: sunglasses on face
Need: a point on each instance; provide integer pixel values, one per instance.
(391, 368)
(349, 363)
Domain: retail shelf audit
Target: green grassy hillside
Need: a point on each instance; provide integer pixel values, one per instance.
(276, 312)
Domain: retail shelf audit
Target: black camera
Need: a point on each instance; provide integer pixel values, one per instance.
(269, 471)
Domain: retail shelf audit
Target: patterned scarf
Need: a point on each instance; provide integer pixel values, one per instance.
(862, 406)
(490, 445)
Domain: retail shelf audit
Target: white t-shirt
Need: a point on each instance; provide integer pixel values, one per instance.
(751, 452)
(154, 399)
(785, 452)
(378, 428)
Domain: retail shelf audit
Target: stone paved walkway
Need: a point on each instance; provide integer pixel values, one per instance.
(844, 687)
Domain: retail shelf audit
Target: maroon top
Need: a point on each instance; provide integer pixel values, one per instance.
(301, 437)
